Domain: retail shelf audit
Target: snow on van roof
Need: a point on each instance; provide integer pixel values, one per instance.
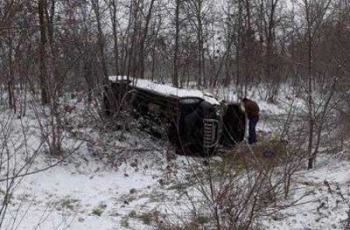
(167, 90)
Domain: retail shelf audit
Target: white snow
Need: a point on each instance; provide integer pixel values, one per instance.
(74, 196)
(327, 202)
(167, 90)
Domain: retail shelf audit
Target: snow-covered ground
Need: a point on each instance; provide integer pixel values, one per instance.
(84, 192)
(102, 198)
(93, 198)
(325, 203)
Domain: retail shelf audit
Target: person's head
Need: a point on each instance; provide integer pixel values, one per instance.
(245, 100)
(223, 104)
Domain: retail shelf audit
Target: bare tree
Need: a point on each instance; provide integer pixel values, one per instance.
(42, 50)
(177, 38)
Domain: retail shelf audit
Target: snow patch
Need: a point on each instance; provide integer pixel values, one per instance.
(167, 90)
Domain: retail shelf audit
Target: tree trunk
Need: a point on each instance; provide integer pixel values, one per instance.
(310, 87)
(176, 48)
(143, 41)
(200, 80)
(42, 53)
(115, 36)
(11, 85)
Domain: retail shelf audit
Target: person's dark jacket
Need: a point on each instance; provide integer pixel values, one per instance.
(252, 109)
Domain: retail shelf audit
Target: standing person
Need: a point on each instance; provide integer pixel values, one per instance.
(252, 111)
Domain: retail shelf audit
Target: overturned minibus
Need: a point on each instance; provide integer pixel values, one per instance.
(193, 121)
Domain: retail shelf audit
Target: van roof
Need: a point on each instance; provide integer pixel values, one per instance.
(166, 90)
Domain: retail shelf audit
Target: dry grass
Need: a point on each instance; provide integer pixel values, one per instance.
(245, 156)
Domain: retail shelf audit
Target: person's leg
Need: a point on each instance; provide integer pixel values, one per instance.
(252, 130)
(256, 122)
